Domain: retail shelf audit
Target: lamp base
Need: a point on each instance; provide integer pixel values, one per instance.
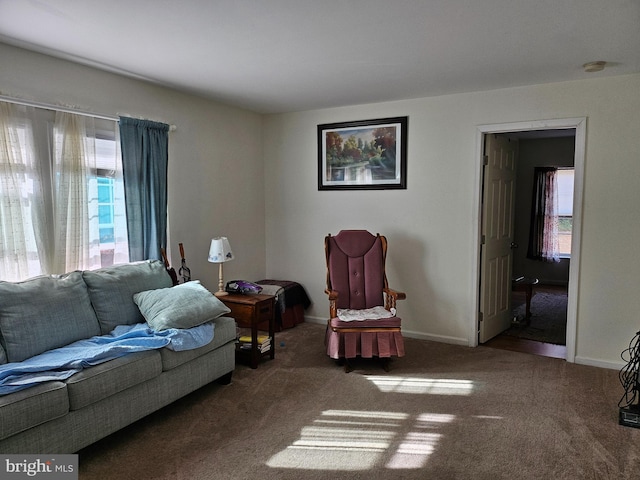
(221, 291)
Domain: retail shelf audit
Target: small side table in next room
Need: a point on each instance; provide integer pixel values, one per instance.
(249, 311)
(525, 284)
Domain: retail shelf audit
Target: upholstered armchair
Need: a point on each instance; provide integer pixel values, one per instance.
(362, 307)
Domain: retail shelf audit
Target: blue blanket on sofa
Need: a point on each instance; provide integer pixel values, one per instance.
(61, 363)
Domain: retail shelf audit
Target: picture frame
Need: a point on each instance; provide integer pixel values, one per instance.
(363, 155)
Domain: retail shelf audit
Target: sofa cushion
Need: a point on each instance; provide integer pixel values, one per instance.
(103, 380)
(112, 288)
(33, 406)
(224, 332)
(43, 313)
(183, 306)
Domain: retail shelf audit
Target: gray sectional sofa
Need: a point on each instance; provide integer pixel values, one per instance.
(62, 415)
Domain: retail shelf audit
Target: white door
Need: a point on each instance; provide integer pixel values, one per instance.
(496, 257)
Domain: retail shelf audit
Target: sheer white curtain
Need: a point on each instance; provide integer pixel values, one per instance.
(551, 243)
(77, 244)
(54, 216)
(87, 150)
(544, 242)
(21, 194)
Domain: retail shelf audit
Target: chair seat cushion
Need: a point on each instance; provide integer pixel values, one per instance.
(347, 314)
(391, 322)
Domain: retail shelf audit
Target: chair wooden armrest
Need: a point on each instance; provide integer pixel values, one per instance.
(391, 297)
(333, 297)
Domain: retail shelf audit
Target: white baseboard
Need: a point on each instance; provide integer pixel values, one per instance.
(592, 362)
(318, 320)
(407, 333)
(436, 338)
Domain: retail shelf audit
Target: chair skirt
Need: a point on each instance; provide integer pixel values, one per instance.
(365, 344)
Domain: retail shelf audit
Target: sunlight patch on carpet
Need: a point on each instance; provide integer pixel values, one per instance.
(416, 446)
(432, 386)
(350, 440)
(414, 450)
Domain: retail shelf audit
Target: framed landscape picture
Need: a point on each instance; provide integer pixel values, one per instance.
(363, 155)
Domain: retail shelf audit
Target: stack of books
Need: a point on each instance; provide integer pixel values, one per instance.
(264, 343)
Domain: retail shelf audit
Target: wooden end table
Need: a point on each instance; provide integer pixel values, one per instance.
(249, 311)
(525, 284)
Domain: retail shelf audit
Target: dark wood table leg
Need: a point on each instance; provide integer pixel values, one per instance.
(526, 285)
(528, 295)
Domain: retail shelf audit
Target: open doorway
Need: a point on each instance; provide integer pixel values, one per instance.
(539, 296)
(528, 133)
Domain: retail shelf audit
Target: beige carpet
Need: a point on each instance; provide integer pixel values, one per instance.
(442, 412)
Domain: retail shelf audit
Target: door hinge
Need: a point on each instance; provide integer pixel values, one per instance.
(480, 316)
(485, 159)
(483, 239)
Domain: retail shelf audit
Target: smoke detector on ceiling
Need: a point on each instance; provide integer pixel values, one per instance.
(594, 66)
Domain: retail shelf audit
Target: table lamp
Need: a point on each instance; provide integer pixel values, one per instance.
(220, 252)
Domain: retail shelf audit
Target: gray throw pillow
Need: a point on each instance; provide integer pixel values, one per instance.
(111, 290)
(43, 313)
(183, 306)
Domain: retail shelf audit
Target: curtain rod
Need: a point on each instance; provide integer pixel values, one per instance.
(59, 108)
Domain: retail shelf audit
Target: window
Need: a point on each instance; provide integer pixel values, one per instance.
(61, 193)
(565, 210)
(106, 208)
(110, 189)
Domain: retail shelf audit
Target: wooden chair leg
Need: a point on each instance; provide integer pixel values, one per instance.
(386, 364)
(344, 361)
(347, 366)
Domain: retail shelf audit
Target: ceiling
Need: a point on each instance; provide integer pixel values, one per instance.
(274, 56)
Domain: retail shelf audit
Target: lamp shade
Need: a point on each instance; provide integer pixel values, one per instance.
(220, 250)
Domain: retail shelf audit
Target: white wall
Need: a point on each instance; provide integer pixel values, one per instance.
(430, 226)
(215, 155)
(216, 187)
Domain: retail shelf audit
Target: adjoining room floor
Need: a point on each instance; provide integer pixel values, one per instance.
(515, 344)
(506, 342)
